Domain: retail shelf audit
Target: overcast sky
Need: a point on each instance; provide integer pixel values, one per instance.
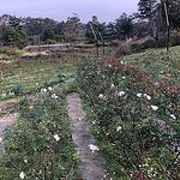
(106, 10)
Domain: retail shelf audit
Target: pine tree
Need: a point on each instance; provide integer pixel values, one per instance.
(147, 8)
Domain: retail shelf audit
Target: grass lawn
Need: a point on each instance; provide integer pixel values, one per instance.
(27, 76)
(155, 62)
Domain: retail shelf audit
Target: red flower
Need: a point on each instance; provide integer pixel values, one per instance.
(175, 89)
(139, 176)
(133, 80)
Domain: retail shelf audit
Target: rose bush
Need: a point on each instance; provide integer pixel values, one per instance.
(135, 118)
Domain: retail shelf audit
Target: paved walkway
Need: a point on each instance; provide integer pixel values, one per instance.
(91, 166)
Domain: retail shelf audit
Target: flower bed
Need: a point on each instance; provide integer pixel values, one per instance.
(135, 119)
(40, 145)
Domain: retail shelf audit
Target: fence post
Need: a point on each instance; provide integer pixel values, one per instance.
(1, 75)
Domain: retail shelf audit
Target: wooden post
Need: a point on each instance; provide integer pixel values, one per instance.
(96, 39)
(168, 26)
(102, 42)
(1, 75)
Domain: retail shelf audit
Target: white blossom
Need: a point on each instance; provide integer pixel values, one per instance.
(147, 96)
(11, 94)
(122, 62)
(22, 175)
(139, 95)
(121, 93)
(112, 86)
(123, 77)
(25, 160)
(54, 96)
(118, 128)
(44, 90)
(3, 95)
(155, 108)
(173, 116)
(50, 88)
(56, 137)
(101, 96)
(93, 148)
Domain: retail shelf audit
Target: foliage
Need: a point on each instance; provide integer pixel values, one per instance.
(149, 20)
(72, 28)
(34, 74)
(40, 145)
(42, 29)
(134, 117)
(123, 49)
(147, 8)
(17, 89)
(50, 41)
(174, 12)
(97, 28)
(14, 34)
(175, 37)
(140, 29)
(144, 43)
(124, 25)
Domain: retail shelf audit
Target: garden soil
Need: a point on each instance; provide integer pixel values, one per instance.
(6, 121)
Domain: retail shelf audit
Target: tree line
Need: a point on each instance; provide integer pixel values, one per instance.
(148, 21)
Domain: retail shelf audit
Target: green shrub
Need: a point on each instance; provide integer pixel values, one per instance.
(50, 41)
(142, 44)
(123, 49)
(15, 37)
(18, 89)
(175, 37)
(132, 118)
(61, 78)
(162, 41)
(148, 43)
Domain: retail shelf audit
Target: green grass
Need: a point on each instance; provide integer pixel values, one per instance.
(31, 147)
(32, 75)
(155, 62)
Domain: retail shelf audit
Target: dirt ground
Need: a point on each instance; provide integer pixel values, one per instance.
(6, 121)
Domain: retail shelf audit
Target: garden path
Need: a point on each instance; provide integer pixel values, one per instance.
(5, 122)
(91, 165)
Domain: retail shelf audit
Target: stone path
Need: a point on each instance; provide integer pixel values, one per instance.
(5, 122)
(91, 166)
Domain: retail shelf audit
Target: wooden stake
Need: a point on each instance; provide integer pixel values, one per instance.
(1, 75)
(168, 28)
